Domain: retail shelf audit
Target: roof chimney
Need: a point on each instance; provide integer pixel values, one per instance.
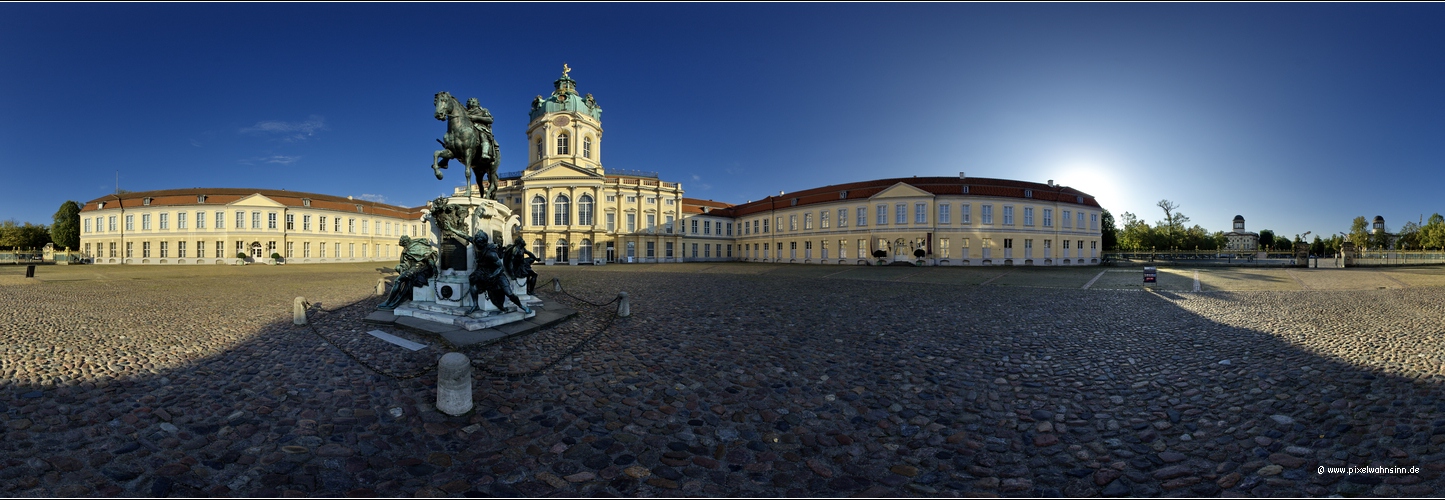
(1051, 183)
(961, 176)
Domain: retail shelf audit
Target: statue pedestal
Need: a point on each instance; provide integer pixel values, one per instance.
(448, 296)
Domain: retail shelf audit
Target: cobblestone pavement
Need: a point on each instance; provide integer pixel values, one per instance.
(723, 384)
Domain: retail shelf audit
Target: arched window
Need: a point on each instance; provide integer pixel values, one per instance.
(587, 147)
(562, 144)
(539, 250)
(539, 211)
(562, 212)
(584, 210)
(584, 251)
(561, 251)
(539, 148)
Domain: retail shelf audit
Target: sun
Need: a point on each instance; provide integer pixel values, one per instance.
(1101, 182)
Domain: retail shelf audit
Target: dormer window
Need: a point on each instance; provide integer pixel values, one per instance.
(795, 202)
(200, 198)
(306, 202)
(146, 201)
(358, 208)
(965, 190)
(843, 195)
(1028, 193)
(1079, 199)
(100, 205)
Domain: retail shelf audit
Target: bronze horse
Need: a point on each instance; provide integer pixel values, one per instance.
(464, 143)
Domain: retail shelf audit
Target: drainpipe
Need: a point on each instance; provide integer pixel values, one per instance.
(122, 228)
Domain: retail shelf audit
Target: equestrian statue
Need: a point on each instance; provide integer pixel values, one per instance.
(469, 139)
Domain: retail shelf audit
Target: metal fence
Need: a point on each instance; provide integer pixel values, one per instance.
(1399, 258)
(40, 257)
(1274, 259)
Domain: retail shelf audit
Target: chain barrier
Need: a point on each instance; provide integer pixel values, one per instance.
(605, 326)
(576, 348)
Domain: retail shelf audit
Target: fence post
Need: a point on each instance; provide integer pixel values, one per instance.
(454, 384)
(624, 306)
(298, 311)
(556, 284)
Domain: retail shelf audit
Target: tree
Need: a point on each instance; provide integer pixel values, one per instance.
(1110, 233)
(27, 237)
(1283, 243)
(1173, 222)
(1358, 234)
(65, 231)
(1432, 234)
(1409, 236)
(1266, 239)
(1136, 234)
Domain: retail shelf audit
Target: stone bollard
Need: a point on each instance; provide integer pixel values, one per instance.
(624, 306)
(381, 286)
(454, 384)
(298, 311)
(556, 285)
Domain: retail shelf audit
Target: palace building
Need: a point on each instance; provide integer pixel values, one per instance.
(573, 210)
(214, 225)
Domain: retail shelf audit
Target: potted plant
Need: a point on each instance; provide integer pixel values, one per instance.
(241, 256)
(880, 254)
(275, 258)
(918, 253)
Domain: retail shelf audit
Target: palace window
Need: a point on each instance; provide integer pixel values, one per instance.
(1065, 220)
(1094, 221)
(862, 216)
(632, 199)
(165, 220)
(220, 249)
(943, 248)
(651, 249)
(562, 206)
(808, 221)
(667, 247)
(651, 223)
(882, 215)
(180, 249)
(321, 249)
(289, 246)
(290, 222)
(87, 226)
(944, 214)
(920, 213)
(163, 250)
(180, 221)
(145, 222)
(793, 222)
(539, 148)
(145, 249)
(694, 227)
(129, 222)
(200, 249)
(255, 220)
(669, 226)
(539, 211)
(584, 210)
(1048, 217)
(631, 223)
(305, 250)
(985, 213)
(200, 220)
(1081, 222)
(336, 227)
(562, 145)
(351, 226)
(900, 214)
(306, 223)
(965, 213)
(842, 218)
(240, 220)
(611, 222)
(1028, 216)
(220, 220)
(129, 246)
(586, 147)
(765, 225)
(1008, 215)
(730, 229)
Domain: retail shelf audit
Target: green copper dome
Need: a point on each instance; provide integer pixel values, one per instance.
(565, 99)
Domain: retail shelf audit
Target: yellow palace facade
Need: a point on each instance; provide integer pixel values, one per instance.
(574, 211)
(219, 225)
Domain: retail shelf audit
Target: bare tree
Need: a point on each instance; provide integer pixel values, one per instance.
(1169, 208)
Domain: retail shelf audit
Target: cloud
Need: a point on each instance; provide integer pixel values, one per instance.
(195, 143)
(373, 197)
(696, 178)
(276, 159)
(289, 131)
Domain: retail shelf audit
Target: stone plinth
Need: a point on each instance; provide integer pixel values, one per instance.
(453, 315)
(454, 384)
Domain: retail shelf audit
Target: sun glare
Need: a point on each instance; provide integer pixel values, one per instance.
(1101, 182)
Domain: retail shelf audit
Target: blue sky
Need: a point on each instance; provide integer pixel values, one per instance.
(1299, 117)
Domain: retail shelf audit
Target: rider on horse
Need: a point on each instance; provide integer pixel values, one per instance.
(481, 119)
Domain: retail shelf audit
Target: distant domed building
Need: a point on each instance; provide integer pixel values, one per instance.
(1378, 227)
(1240, 240)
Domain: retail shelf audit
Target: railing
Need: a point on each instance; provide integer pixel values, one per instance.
(1399, 257)
(631, 173)
(511, 175)
(1227, 258)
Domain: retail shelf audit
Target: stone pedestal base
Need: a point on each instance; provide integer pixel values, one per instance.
(452, 315)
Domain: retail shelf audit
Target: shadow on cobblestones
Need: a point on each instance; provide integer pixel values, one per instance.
(725, 384)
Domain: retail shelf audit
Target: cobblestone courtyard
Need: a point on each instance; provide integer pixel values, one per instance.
(734, 380)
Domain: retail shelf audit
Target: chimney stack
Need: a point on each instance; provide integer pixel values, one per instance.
(1051, 183)
(961, 176)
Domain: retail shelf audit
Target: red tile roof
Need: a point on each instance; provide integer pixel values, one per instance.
(977, 186)
(222, 196)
